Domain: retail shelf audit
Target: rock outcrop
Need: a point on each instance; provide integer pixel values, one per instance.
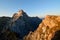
(22, 24)
(49, 29)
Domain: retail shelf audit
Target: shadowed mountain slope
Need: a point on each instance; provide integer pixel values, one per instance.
(22, 24)
(17, 26)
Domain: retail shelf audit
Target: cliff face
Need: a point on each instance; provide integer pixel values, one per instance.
(17, 26)
(22, 24)
(49, 29)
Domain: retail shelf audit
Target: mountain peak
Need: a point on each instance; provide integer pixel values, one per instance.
(18, 14)
(21, 10)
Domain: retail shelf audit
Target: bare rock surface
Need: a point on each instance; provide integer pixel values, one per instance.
(17, 26)
(22, 24)
(49, 29)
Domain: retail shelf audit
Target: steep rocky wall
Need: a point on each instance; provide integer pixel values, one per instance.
(17, 26)
(22, 24)
(46, 30)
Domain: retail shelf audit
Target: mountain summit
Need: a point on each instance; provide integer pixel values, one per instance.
(19, 14)
(22, 24)
(23, 27)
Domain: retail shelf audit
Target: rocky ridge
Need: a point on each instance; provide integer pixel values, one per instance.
(17, 26)
(22, 27)
(22, 24)
(49, 29)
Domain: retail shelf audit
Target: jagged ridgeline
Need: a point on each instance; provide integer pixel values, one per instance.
(22, 24)
(49, 29)
(17, 26)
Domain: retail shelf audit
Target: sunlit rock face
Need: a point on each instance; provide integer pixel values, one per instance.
(20, 13)
(47, 30)
(22, 24)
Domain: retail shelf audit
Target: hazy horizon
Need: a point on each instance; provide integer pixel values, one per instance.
(38, 8)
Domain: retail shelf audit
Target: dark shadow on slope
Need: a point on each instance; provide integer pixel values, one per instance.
(22, 24)
(4, 23)
(56, 36)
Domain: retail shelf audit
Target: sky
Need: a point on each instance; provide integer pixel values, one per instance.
(38, 8)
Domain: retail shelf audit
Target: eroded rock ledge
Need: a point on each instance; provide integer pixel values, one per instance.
(47, 29)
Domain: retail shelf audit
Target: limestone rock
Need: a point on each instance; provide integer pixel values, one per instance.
(22, 24)
(49, 29)
(19, 14)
